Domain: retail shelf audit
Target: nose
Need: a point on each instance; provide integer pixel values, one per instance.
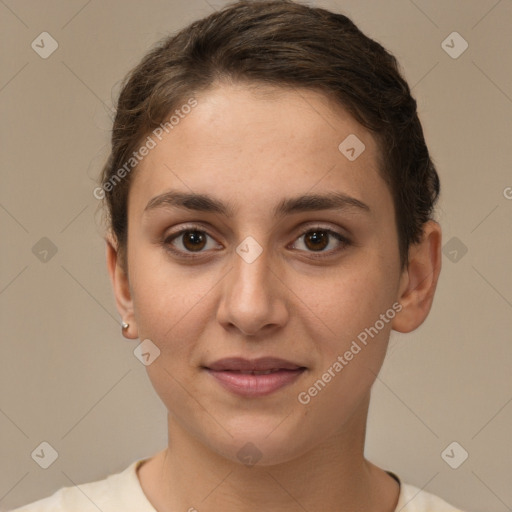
(253, 297)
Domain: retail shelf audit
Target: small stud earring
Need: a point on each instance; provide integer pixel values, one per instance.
(124, 325)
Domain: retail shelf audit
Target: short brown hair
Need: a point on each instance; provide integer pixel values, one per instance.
(280, 43)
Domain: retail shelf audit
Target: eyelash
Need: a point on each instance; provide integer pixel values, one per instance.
(345, 242)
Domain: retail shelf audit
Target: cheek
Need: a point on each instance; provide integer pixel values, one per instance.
(348, 301)
(350, 343)
(169, 300)
(350, 330)
(170, 305)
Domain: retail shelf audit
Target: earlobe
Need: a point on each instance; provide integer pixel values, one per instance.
(419, 280)
(121, 288)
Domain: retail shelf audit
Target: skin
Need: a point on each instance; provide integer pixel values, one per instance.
(251, 148)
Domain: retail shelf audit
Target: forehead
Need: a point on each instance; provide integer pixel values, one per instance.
(248, 144)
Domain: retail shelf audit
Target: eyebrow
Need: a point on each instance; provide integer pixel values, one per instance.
(304, 203)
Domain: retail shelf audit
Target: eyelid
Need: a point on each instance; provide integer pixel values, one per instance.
(174, 235)
(301, 231)
(343, 240)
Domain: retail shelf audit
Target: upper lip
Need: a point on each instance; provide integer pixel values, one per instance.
(260, 364)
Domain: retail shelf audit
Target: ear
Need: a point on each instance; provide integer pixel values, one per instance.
(121, 287)
(419, 280)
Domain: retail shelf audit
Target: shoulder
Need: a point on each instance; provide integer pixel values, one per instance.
(117, 492)
(413, 499)
(65, 500)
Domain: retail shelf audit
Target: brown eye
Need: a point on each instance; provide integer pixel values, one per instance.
(189, 241)
(193, 240)
(316, 240)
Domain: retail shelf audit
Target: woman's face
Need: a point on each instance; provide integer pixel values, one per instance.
(262, 274)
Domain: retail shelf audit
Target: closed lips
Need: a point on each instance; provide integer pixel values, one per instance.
(260, 372)
(263, 365)
(254, 378)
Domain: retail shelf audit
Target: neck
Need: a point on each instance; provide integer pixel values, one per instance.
(333, 476)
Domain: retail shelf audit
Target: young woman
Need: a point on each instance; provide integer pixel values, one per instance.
(270, 198)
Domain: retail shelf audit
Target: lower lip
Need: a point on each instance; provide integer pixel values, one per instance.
(249, 385)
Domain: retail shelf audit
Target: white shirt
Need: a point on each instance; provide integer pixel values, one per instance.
(122, 492)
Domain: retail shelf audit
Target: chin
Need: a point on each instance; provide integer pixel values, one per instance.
(257, 446)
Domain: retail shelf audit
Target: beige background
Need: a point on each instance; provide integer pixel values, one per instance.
(69, 378)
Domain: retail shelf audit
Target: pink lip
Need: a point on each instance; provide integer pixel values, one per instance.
(255, 385)
(228, 372)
